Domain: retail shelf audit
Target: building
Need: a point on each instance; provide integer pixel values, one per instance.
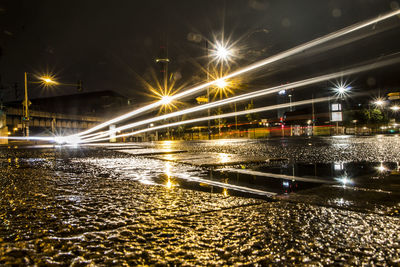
(101, 103)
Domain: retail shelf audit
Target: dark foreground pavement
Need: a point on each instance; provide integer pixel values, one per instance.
(56, 208)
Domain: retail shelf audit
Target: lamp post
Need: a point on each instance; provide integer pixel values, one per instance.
(25, 108)
(166, 101)
(341, 91)
(221, 54)
(221, 84)
(46, 80)
(380, 103)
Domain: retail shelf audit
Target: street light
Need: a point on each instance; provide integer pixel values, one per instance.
(221, 83)
(166, 99)
(222, 53)
(395, 108)
(379, 103)
(342, 90)
(290, 102)
(46, 81)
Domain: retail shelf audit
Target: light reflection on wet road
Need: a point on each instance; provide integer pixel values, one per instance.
(100, 206)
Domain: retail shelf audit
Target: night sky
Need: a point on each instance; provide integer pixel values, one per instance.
(110, 44)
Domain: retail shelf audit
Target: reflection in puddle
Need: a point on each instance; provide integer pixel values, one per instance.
(381, 168)
(169, 183)
(167, 145)
(170, 157)
(168, 169)
(252, 180)
(339, 171)
(338, 166)
(225, 192)
(344, 180)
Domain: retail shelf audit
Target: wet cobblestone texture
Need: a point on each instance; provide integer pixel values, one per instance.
(59, 208)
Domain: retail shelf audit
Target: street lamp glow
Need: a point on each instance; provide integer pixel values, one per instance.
(168, 184)
(379, 102)
(344, 180)
(47, 80)
(221, 83)
(166, 99)
(395, 108)
(222, 52)
(341, 89)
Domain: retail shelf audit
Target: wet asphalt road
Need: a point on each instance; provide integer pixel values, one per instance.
(96, 206)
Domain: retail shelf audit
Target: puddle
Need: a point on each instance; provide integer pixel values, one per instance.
(211, 159)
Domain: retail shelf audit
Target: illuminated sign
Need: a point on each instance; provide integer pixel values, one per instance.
(336, 107)
(336, 116)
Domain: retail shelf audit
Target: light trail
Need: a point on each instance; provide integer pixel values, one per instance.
(214, 117)
(27, 138)
(259, 93)
(279, 56)
(251, 95)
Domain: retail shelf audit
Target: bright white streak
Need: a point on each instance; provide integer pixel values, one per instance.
(27, 138)
(232, 114)
(258, 93)
(227, 186)
(251, 67)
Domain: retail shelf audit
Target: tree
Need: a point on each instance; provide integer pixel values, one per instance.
(251, 116)
(222, 121)
(365, 116)
(376, 116)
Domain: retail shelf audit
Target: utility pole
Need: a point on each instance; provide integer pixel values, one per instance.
(26, 108)
(313, 114)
